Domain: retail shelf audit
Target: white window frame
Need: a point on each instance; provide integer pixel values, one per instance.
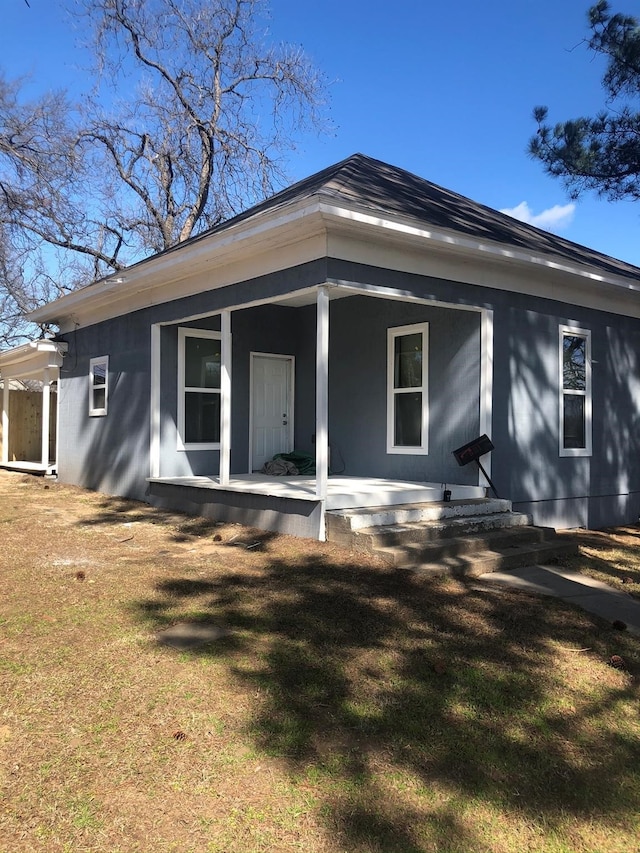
(98, 411)
(575, 331)
(183, 334)
(392, 334)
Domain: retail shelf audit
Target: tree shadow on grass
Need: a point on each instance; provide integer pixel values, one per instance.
(610, 555)
(401, 697)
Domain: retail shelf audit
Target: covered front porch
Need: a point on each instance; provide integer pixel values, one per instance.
(338, 403)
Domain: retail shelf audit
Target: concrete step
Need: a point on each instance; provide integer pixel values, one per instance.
(340, 522)
(411, 552)
(460, 538)
(442, 528)
(481, 562)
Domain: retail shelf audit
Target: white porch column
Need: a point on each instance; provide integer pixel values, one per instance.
(154, 403)
(225, 398)
(322, 391)
(486, 383)
(46, 414)
(5, 420)
(57, 435)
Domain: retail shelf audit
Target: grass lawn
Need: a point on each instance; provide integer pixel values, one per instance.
(346, 706)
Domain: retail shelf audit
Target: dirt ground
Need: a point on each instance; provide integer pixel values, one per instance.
(342, 706)
(99, 724)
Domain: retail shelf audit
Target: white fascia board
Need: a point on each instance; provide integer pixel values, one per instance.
(292, 235)
(273, 230)
(453, 241)
(251, 267)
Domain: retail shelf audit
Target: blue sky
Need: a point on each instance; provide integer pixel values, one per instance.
(444, 90)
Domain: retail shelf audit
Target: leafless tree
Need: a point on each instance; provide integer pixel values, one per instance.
(20, 293)
(188, 120)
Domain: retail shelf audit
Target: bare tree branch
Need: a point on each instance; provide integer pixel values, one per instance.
(187, 122)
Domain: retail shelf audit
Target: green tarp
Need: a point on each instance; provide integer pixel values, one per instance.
(304, 462)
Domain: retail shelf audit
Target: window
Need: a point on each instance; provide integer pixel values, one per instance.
(199, 365)
(407, 400)
(98, 385)
(575, 392)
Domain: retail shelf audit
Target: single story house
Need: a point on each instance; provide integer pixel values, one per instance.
(373, 320)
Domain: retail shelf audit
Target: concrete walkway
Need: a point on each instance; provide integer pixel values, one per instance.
(576, 588)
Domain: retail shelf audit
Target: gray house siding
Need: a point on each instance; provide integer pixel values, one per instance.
(112, 453)
(109, 453)
(358, 389)
(594, 491)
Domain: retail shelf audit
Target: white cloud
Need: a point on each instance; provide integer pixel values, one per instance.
(553, 219)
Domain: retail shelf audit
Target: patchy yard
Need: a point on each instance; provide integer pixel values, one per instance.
(345, 706)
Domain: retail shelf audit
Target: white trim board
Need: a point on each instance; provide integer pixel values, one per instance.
(486, 384)
(336, 290)
(154, 402)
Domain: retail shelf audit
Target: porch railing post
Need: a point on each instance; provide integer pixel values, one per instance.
(46, 415)
(225, 399)
(154, 425)
(5, 420)
(56, 436)
(322, 392)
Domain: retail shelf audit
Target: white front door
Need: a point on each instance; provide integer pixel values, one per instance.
(271, 407)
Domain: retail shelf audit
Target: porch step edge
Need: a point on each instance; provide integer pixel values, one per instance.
(441, 529)
(363, 517)
(416, 549)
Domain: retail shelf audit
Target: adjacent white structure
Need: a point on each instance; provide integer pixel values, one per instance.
(37, 361)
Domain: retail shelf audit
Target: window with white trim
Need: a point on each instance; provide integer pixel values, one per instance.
(98, 385)
(575, 392)
(199, 367)
(407, 389)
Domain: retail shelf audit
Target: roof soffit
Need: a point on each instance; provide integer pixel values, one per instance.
(276, 228)
(375, 226)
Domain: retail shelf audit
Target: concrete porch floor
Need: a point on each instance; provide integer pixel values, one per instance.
(342, 492)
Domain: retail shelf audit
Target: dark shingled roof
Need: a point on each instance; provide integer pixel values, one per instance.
(377, 186)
